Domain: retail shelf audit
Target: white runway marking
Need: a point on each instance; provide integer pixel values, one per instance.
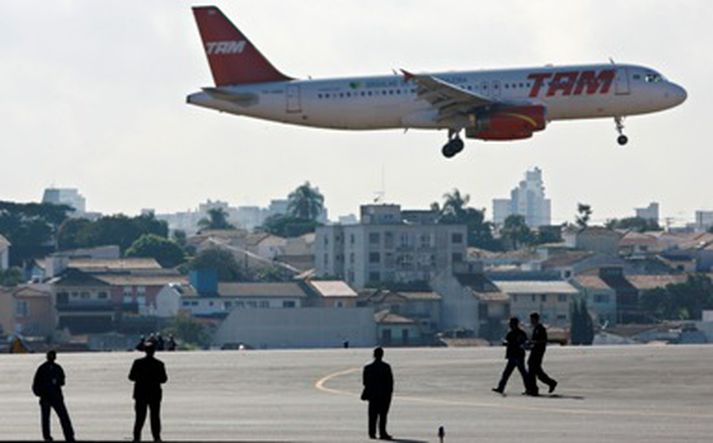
(321, 385)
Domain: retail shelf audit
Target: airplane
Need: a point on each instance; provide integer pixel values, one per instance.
(490, 105)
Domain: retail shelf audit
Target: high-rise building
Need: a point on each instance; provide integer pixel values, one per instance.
(66, 196)
(389, 245)
(527, 199)
(704, 220)
(650, 212)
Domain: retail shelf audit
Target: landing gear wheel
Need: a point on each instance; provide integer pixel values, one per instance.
(457, 145)
(448, 151)
(622, 140)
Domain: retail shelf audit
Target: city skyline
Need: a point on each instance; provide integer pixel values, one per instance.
(109, 101)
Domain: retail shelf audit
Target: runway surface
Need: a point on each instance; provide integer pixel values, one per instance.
(632, 394)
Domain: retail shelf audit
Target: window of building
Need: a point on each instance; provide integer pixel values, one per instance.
(102, 295)
(239, 304)
(264, 304)
(228, 304)
(22, 309)
(561, 316)
(84, 295)
(251, 304)
(601, 298)
(339, 304)
(543, 298)
(534, 298)
(457, 257)
(185, 303)
(288, 304)
(351, 238)
(457, 238)
(562, 298)
(128, 291)
(374, 257)
(374, 238)
(351, 257)
(141, 290)
(425, 240)
(374, 277)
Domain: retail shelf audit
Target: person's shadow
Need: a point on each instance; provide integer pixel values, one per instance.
(563, 397)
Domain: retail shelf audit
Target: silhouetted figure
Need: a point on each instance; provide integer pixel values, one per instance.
(140, 345)
(378, 389)
(345, 344)
(148, 374)
(171, 343)
(47, 385)
(515, 340)
(159, 343)
(537, 354)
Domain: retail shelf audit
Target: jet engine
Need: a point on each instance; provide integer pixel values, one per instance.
(506, 123)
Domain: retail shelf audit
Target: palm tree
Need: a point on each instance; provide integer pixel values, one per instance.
(217, 219)
(455, 204)
(584, 212)
(305, 202)
(516, 230)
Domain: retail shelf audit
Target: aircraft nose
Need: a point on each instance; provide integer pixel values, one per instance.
(677, 94)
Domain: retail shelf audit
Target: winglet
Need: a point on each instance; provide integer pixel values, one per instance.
(407, 75)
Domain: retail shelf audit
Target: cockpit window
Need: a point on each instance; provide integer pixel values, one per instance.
(652, 77)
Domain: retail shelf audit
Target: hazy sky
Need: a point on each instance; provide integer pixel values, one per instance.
(92, 95)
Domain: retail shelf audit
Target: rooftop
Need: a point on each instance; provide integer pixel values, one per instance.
(536, 287)
(332, 288)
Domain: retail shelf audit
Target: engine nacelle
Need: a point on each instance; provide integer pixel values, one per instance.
(507, 123)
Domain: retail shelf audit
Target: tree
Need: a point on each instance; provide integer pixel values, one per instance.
(116, 229)
(455, 211)
(166, 252)
(10, 277)
(681, 301)
(222, 261)
(217, 219)
(305, 203)
(582, 327)
(187, 330)
(454, 205)
(31, 228)
(584, 213)
(288, 226)
(516, 231)
(637, 224)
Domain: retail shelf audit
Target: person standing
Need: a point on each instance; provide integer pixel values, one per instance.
(537, 354)
(47, 385)
(515, 340)
(148, 374)
(378, 389)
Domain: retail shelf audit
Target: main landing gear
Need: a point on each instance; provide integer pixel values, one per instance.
(622, 139)
(454, 145)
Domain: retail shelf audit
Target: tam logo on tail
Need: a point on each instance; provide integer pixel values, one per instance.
(225, 47)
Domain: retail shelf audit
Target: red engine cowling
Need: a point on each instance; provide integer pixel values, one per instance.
(508, 123)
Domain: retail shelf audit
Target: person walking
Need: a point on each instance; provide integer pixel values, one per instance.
(537, 354)
(378, 389)
(148, 374)
(515, 340)
(47, 385)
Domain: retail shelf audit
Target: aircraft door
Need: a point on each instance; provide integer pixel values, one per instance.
(621, 82)
(496, 89)
(294, 102)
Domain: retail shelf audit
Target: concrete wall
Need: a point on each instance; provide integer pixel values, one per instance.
(459, 308)
(298, 328)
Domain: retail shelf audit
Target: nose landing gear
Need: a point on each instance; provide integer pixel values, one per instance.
(454, 145)
(622, 139)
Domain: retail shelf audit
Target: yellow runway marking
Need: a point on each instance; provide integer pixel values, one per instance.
(321, 385)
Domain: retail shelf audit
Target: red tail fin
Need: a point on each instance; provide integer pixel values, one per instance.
(232, 58)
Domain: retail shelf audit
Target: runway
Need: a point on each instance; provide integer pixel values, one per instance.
(633, 394)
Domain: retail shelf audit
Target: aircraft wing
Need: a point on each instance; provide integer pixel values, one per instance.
(449, 99)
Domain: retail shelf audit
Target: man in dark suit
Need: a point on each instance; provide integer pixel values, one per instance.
(537, 354)
(47, 385)
(515, 340)
(148, 374)
(378, 389)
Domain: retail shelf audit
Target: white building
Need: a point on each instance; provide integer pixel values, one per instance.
(528, 200)
(704, 220)
(388, 245)
(650, 212)
(66, 196)
(4, 253)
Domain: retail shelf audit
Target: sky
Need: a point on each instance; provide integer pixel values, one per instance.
(92, 95)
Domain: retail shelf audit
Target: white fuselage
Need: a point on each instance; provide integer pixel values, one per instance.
(383, 102)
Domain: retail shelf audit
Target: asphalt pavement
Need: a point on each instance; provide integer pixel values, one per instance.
(605, 394)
